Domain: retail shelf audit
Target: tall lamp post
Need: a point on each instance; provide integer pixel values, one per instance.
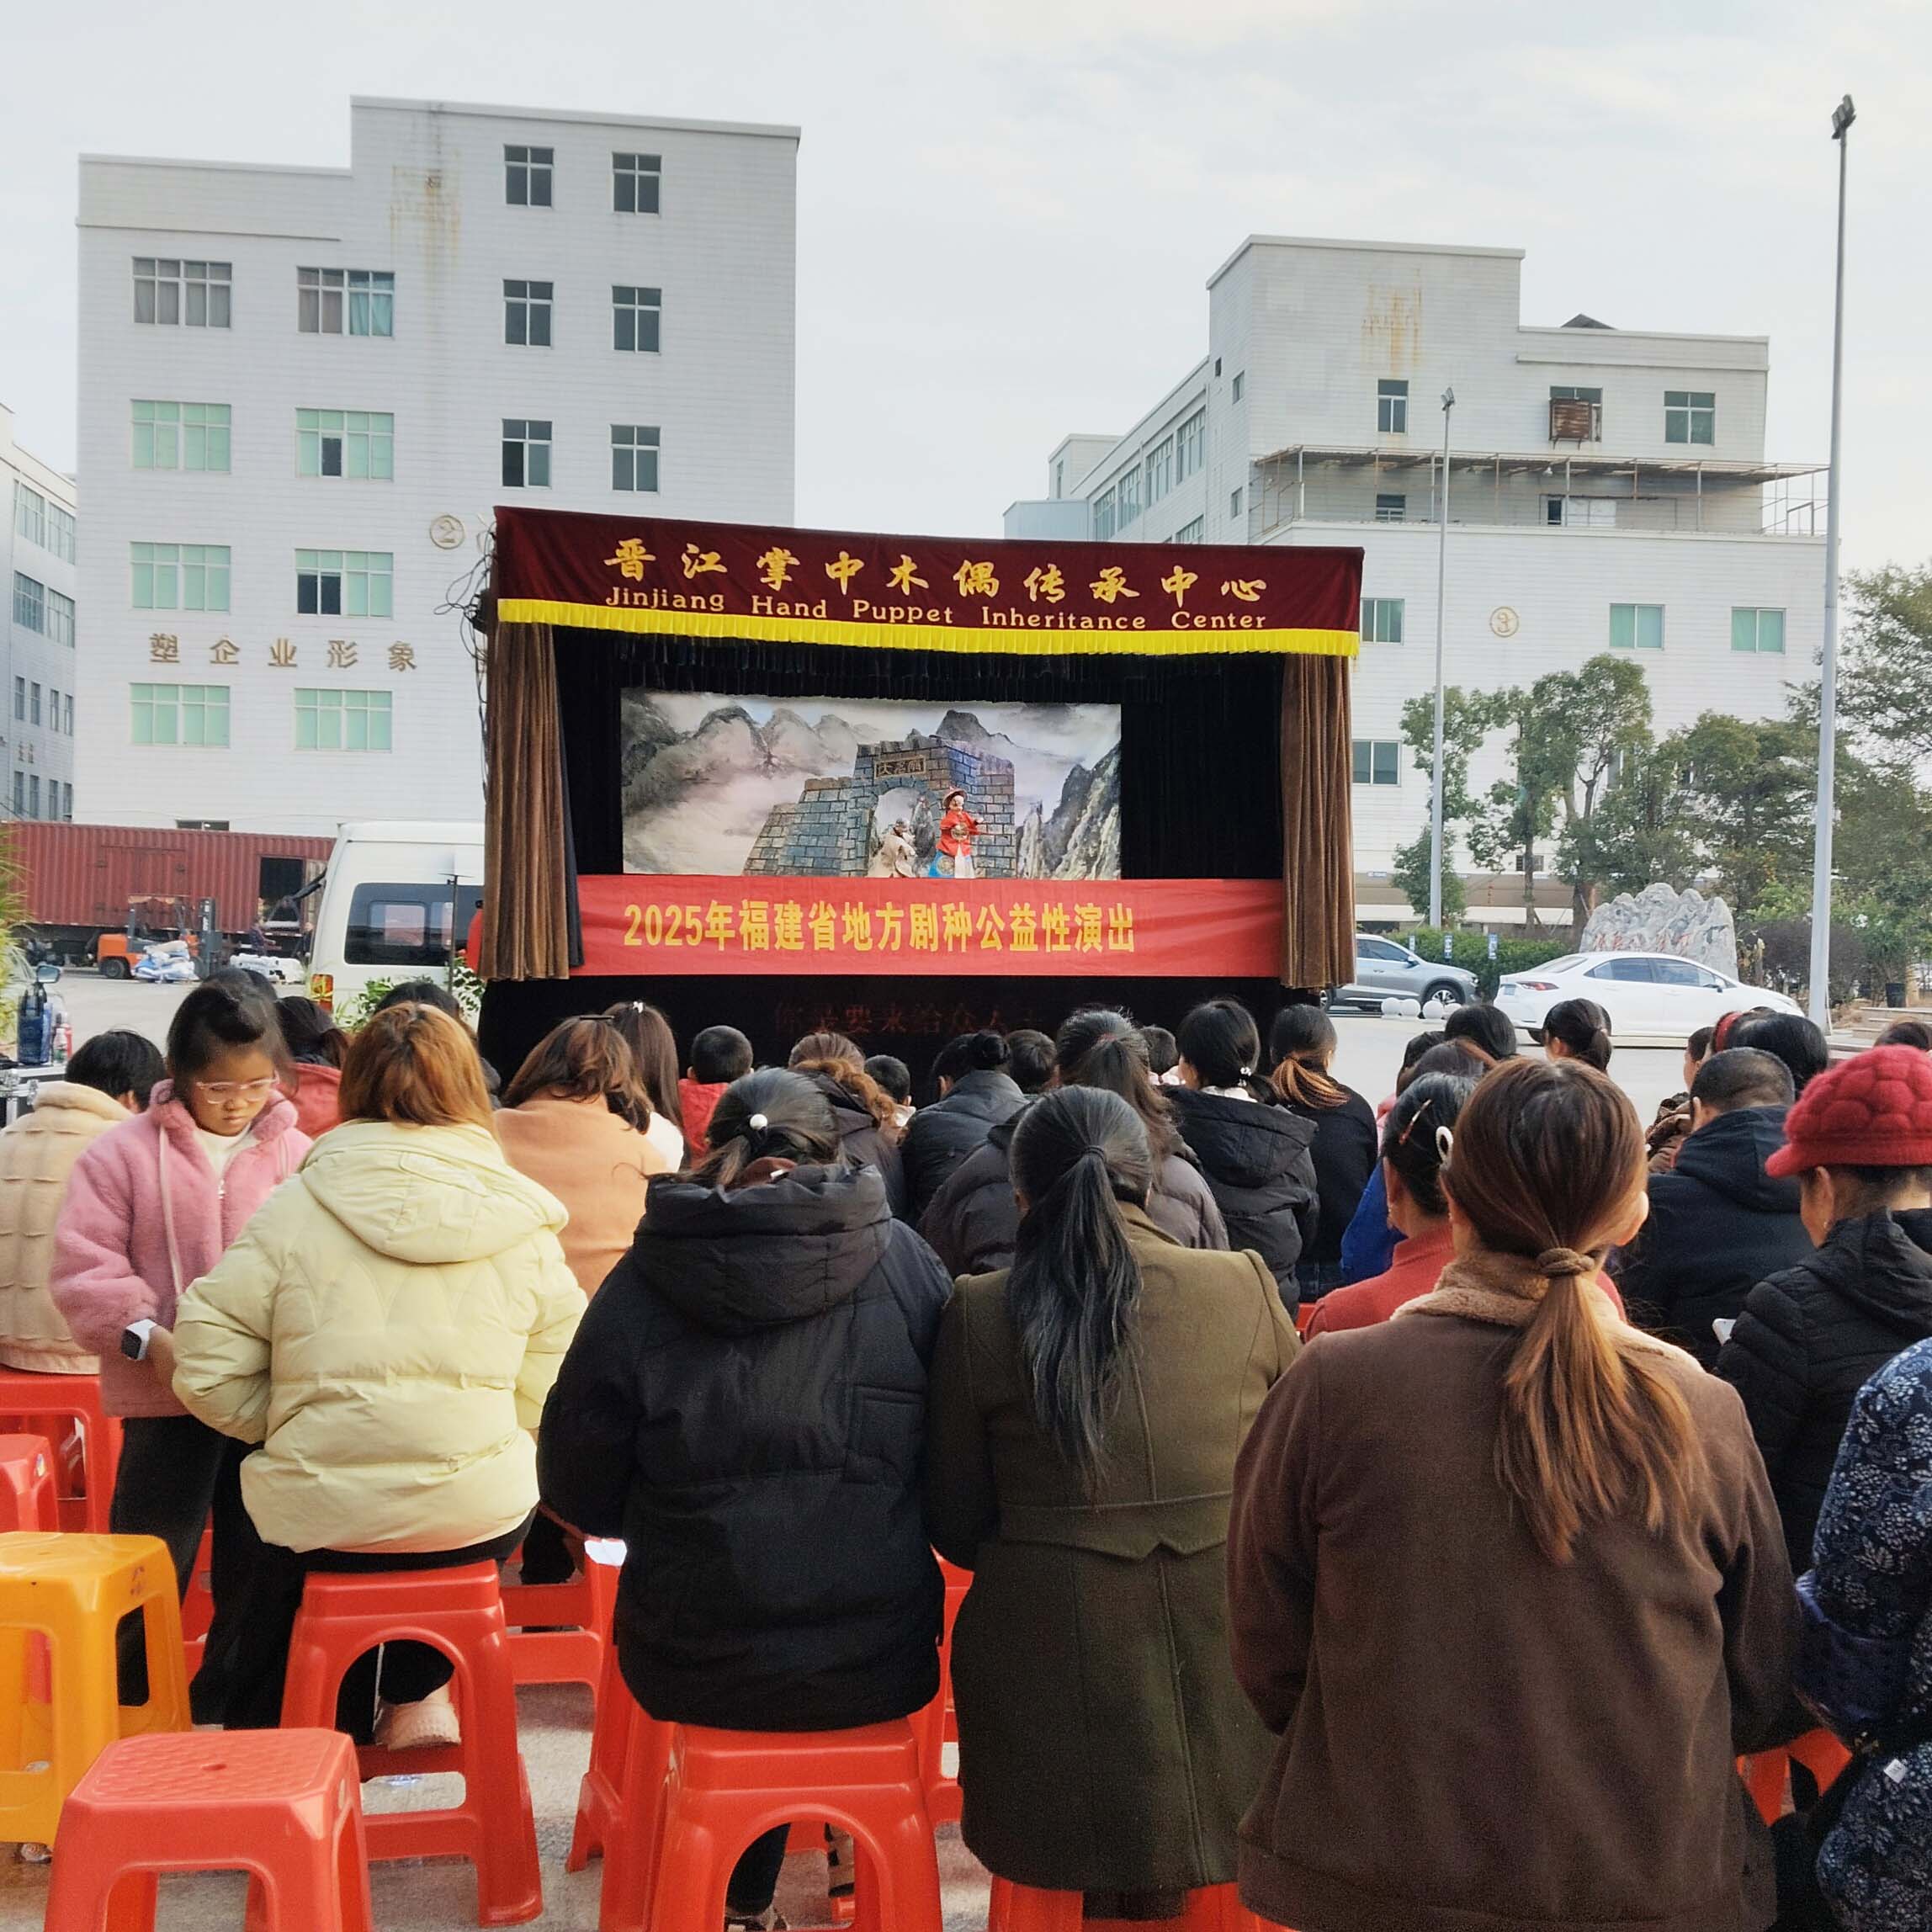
(1841, 120)
(1435, 783)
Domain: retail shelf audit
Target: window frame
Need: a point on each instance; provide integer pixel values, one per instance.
(636, 313)
(30, 603)
(1375, 764)
(1106, 520)
(364, 435)
(1190, 445)
(538, 167)
(338, 708)
(1127, 496)
(1392, 505)
(526, 444)
(1682, 409)
(527, 311)
(1757, 614)
(210, 566)
(364, 583)
(1193, 532)
(1376, 625)
(1239, 387)
(1636, 641)
(202, 702)
(1392, 406)
(174, 282)
(632, 167)
(342, 295)
(629, 440)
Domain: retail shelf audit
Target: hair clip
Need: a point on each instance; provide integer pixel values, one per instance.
(1247, 1073)
(758, 1123)
(1421, 1108)
(1445, 1144)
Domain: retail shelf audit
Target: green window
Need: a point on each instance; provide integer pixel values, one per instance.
(180, 713)
(1759, 630)
(1637, 627)
(180, 576)
(181, 435)
(1690, 415)
(359, 444)
(332, 721)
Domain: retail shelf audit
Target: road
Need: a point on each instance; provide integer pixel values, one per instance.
(1368, 1058)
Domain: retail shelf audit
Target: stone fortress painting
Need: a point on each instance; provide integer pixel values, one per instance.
(855, 789)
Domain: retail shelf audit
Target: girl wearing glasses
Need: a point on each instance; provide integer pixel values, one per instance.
(151, 1208)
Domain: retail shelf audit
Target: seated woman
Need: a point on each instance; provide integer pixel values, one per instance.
(1087, 1407)
(865, 1115)
(745, 1405)
(386, 1328)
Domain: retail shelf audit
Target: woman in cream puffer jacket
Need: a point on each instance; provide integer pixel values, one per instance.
(386, 1327)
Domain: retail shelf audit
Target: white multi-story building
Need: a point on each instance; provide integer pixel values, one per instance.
(37, 581)
(303, 389)
(1608, 490)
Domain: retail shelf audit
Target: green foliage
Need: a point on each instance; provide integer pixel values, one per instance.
(1472, 950)
(1637, 834)
(1885, 681)
(353, 1011)
(1745, 792)
(1411, 873)
(1467, 717)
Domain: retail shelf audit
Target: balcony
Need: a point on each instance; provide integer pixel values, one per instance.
(1544, 489)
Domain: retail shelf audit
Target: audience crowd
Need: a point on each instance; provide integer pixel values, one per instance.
(1602, 1455)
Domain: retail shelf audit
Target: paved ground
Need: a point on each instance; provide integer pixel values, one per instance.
(555, 1723)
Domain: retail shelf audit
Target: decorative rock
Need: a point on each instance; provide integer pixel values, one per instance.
(1660, 919)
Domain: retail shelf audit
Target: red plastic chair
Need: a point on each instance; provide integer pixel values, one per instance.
(27, 1498)
(1304, 1318)
(722, 1788)
(458, 1612)
(634, 1829)
(600, 1796)
(282, 1805)
(576, 1620)
(1023, 1908)
(1768, 1773)
(33, 1403)
(938, 1724)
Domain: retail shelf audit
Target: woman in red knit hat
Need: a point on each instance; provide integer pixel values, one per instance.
(1859, 1141)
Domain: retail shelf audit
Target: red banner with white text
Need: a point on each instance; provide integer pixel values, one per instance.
(665, 923)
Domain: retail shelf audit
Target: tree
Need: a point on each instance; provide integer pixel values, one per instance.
(1638, 834)
(1885, 680)
(1607, 707)
(1748, 788)
(1467, 717)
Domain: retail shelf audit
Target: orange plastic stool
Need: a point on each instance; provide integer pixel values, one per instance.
(36, 1403)
(1304, 1318)
(600, 1796)
(1023, 1908)
(458, 1612)
(62, 1596)
(284, 1805)
(1767, 1773)
(722, 1788)
(938, 1724)
(578, 1614)
(28, 1500)
(633, 1832)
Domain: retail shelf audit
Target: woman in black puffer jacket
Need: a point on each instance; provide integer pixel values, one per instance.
(975, 1220)
(1254, 1154)
(756, 1365)
(976, 1093)
(862, 1111)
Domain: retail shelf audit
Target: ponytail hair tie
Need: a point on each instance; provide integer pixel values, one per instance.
(1445, 1146)
(1247, 1073)
(1557, 1262)
(757, 1123)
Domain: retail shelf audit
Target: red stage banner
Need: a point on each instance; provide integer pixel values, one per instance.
(670, 923)
(655, 574)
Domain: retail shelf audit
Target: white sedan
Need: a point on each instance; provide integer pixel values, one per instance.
(1649, 995)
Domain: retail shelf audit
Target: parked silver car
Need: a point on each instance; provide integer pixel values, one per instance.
(1383, 967)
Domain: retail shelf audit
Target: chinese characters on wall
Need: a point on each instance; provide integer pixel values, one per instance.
(283, 654)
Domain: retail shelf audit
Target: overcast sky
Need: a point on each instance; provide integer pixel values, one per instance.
(1008, 208)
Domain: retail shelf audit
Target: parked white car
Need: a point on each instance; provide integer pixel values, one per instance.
(1649, 995)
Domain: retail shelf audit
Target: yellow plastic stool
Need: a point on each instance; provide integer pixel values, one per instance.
(59, 1699)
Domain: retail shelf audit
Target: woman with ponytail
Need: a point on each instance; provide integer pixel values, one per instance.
(1302, 1046)
(745, 1405)
(1087, 1405)
(1507, 1579)
(1576, 1030)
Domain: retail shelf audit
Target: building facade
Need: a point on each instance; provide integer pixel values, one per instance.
(303, 391)
(1607, 491)
(37, 569)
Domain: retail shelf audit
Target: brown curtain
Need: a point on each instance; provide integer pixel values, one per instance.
(1318, 841)
(526, 910)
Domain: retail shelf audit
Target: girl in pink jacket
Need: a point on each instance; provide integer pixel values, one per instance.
(149, 1208)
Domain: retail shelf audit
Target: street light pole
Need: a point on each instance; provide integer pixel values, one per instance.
(1841, 120)
(1435, 769)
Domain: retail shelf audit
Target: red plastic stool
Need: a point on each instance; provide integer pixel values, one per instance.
(1023, 1908)
(458, 1612)
(33, 1403)
(634, 1829)
(28, 1500)
(1767, 1773)
(938, 1724)
(600, 1796)
(722, 1788)
(282, 1805)
(578, 1614)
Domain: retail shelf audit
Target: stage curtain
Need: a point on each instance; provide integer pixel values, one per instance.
(526, 856)
(1317, 934)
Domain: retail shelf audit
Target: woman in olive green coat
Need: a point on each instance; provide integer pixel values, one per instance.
(1086, 1410)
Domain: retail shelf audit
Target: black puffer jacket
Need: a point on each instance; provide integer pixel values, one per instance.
(1344, 1151)
(860, 1141)
(1808, 1340)
(974, 1220)
(745, 1406)
(1718, 1225)
(939, 1136)
(1257, 1160)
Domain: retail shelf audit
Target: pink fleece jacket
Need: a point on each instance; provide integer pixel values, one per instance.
(121, 1251)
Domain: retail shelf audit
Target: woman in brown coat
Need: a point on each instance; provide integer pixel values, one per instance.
(1086, 1409)
(1506, 1579)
